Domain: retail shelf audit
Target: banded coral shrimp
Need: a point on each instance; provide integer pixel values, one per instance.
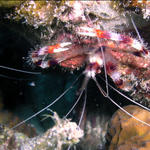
(96, 47)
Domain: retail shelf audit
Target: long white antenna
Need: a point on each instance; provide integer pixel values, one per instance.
(18, 70)
(105, 71)
(82, 114)
(83, 109)
(74, 103)
(136, 29)
(126, 96)
(122, 108)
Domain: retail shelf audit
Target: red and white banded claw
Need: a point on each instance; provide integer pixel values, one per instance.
(122, 39)
(54, 48)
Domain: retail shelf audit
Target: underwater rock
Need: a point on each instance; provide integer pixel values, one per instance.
(62, 133)
(126, 133)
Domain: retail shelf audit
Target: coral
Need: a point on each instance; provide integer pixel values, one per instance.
(126, 133)
(62, 133)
